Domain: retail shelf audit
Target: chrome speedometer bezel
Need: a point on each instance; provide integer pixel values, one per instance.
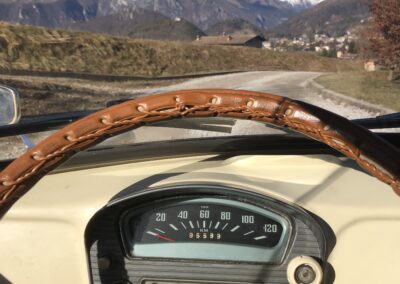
(310, 236)
(232, 252)
(192, 191)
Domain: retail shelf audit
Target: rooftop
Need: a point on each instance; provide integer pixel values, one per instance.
(234, 39)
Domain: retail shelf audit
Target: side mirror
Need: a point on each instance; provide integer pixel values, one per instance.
(9, 106)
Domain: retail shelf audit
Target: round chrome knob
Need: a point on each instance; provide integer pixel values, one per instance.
(304, 270)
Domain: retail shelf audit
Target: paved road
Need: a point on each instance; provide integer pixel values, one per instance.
(289, 84)
(284, 83)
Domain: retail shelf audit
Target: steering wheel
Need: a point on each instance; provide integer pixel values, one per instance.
(373, 154)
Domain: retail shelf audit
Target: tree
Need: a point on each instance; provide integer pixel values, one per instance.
(353, 48)
(324, 53)
(384, 34)
(332, 53)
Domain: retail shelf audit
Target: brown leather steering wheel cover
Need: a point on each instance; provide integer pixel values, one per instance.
(373, 154)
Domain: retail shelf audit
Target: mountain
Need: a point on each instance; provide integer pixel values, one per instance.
(232, 26)
(333, 17)
(140, 23)
(203, 13)
(45, 13)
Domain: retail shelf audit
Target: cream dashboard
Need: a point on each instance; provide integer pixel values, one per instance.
(97, 217)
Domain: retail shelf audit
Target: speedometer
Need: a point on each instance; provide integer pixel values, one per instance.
(206, 228)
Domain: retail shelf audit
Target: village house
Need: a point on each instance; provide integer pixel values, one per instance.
(267, 45)
(321, 48)
(371, 66)
(345, 55)
(232, 40)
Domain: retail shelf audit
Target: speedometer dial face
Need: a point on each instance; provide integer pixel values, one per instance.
(206, 228)
(207, 223)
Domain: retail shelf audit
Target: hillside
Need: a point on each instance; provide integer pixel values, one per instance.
(140, 23)
(231, 26)
(333, 17)
(24, 47)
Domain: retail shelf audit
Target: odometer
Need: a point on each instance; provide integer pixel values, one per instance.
(206, 228)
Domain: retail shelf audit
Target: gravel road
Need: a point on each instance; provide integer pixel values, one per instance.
(289, 84)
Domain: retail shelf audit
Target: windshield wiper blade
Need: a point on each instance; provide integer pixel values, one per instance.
(380, 122)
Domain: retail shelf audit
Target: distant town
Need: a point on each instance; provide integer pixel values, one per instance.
(343, 47)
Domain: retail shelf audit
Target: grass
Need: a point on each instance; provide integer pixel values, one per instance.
(372, 87)
(33, 48)
(63, 94)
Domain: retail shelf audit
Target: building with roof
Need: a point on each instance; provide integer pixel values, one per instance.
(248, 40)
(372, 65)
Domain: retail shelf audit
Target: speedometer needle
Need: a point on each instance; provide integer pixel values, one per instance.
(164, 238)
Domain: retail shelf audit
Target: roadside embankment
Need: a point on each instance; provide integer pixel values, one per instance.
(368, 91)
(371, 89)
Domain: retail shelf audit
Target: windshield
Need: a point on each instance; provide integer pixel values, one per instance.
(65, 56)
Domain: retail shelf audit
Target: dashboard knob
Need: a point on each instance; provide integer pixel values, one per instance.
(304, 274)
(104, 263)
(304, 270)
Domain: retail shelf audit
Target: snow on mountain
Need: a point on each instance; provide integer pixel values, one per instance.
(302, 2)
(296, 2)
(315, 2)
